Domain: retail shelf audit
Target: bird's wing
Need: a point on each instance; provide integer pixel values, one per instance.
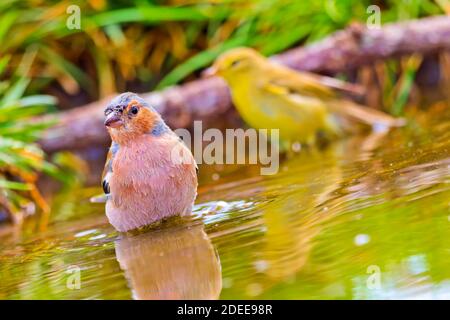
(107, 171)
(278, 100)
(289, 82)
(306, 83)
(286, 82)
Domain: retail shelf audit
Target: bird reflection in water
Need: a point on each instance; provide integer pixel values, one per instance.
(298, 217)
(171, 263)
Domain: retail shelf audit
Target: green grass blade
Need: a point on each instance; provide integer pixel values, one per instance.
(15, 92)
(149, 14)
(68, 68)
(199, 61)
(12, 185)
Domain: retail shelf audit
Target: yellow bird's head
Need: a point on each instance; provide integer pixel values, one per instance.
(237, 63)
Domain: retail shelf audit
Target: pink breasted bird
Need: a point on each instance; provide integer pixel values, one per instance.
(149, 174)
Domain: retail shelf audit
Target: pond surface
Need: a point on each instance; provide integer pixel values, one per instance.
(364, 218)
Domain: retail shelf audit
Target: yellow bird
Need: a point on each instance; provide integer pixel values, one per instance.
(299, 104)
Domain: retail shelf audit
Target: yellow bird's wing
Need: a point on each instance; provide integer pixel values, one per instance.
(280, 102)
(306, 84)
(291, 82)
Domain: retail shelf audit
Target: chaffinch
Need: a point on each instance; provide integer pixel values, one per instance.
(149, 173)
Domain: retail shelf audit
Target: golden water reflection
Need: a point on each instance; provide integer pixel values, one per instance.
(176, 263)
(317, 229)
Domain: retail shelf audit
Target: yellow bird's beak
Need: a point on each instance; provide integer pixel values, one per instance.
(210, 72)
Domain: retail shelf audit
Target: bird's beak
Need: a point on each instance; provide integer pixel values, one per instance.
(210, 72)
(113, 120)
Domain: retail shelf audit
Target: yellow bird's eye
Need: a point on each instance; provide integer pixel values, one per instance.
(235, 63)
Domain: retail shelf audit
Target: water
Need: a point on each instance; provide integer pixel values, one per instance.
(365, 218)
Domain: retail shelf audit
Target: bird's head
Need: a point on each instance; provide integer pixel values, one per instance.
(128, 116)
(236, 63)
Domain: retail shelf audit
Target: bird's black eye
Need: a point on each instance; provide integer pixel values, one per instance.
(235, 63)
(107, 111)
(134, 110)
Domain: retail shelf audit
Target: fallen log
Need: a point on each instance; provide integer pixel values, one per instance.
(209, 100)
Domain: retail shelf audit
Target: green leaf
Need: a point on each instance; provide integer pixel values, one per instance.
(280, 41)
(43, 100)
(116, 34)
(403, 94)
(150, 14)
(4, 62)
(7, 20)
(68, 68)
(15, 92)
(407, 82)
(15, 112)
(199, 61)
(14, 185)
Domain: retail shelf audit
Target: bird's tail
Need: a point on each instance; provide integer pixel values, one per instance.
(372, 117)
(348, 88)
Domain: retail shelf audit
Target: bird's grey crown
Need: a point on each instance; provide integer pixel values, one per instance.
(120, 102)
